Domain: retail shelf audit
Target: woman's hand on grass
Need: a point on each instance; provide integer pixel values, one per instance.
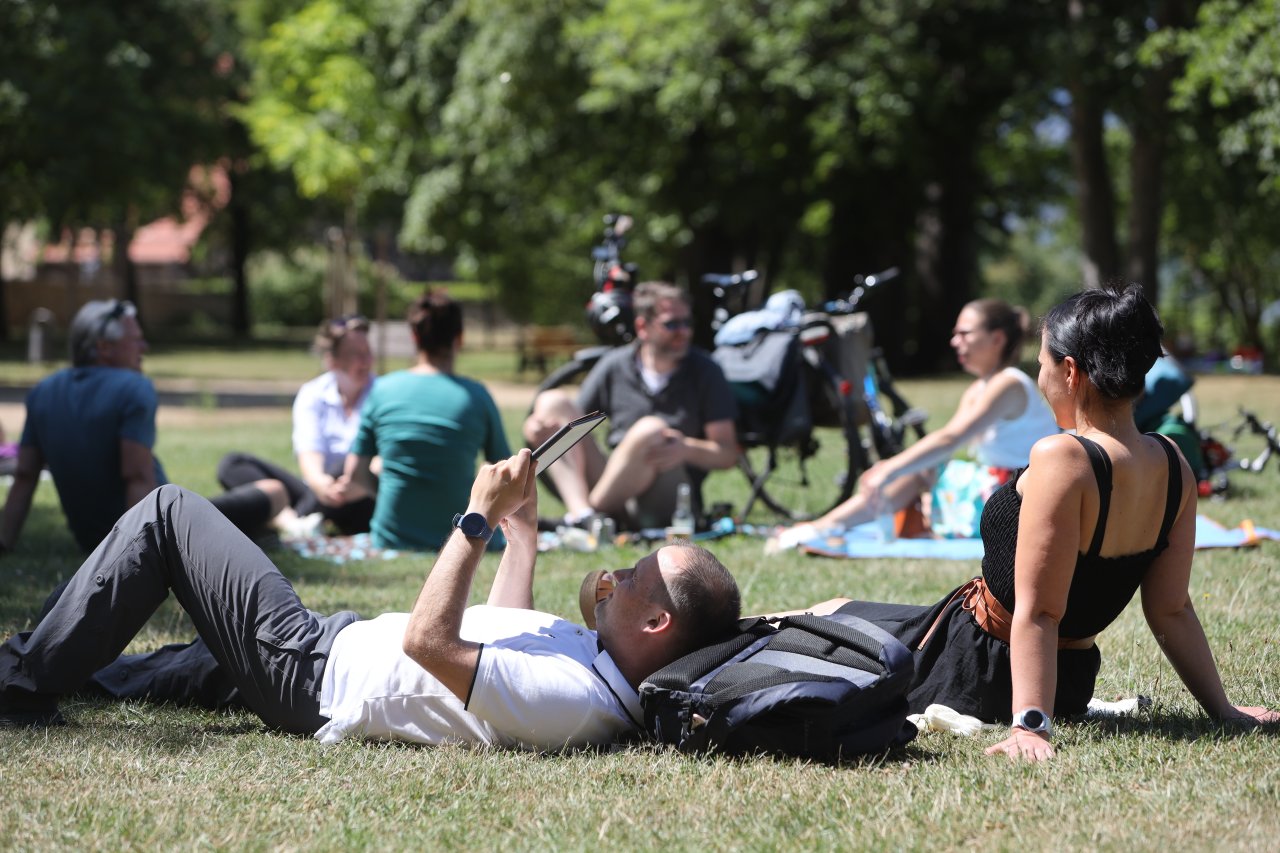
(1021, 743)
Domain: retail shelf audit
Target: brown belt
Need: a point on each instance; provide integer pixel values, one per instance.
(991, 615)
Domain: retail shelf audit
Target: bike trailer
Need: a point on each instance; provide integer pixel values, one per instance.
(823, 688)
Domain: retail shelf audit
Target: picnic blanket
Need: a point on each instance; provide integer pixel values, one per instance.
(866, 541)
(338, 549)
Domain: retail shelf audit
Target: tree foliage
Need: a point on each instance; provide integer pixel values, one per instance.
(1231, 58)
(105, 108)
(979, 145)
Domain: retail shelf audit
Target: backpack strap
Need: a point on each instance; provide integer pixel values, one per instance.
(1173, 492)
(1102, 473)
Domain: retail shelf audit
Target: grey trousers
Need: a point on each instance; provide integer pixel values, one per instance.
(258, 646)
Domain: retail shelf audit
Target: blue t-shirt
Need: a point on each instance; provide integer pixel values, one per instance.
(76, 418)
(428, 428)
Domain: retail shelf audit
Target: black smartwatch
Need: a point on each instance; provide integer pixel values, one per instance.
(1033, 720)
(473, 526)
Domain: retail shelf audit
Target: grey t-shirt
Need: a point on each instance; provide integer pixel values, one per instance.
(696, 394)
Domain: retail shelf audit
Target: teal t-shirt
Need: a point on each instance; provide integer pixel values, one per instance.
(428, 429)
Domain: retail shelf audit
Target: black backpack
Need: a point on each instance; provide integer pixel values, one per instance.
(823, 688)
(765, 375)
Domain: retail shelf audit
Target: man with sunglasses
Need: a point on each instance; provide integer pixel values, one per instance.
(671, 415)
(94, 425)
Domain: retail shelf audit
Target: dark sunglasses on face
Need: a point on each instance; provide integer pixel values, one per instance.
(676, 324)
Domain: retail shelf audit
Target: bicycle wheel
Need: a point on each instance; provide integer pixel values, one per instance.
(805, 479)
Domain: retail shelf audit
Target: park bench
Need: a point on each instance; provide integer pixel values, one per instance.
(540, 346)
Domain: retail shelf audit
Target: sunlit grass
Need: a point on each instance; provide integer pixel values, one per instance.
(127, 776)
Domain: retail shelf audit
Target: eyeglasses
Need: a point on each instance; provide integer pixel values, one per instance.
(676, 324)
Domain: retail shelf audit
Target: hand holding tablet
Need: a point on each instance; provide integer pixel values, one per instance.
(565, 437)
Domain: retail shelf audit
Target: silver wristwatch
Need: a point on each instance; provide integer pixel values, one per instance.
(1034, 720)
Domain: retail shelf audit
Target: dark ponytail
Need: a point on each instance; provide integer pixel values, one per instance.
(1113, 334)
(436, 321)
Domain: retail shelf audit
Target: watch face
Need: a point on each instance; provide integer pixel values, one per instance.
(1032, 720)
(474, 525)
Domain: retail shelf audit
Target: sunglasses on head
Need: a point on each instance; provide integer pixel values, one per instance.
(348, 321)
(119, 308)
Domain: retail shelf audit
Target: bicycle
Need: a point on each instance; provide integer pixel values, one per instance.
(855, 411)
(849, 381)
(609, 311)
(1221, 459)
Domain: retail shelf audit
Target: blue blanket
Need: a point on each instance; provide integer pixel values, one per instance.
(865, 541)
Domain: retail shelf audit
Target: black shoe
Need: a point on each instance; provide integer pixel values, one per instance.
(32, 719)
(29, 712)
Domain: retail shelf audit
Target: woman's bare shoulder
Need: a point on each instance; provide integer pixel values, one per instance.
(1059, 455)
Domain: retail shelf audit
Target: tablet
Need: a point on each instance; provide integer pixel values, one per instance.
(567, 436)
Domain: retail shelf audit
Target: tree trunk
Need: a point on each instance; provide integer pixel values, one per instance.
(710, 251)
(125, 271)
(241, 240)
(945, 262)
(1094, 193)
(4, 309)
(1146, 168)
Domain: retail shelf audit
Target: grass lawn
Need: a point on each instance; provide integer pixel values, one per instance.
(129, 776)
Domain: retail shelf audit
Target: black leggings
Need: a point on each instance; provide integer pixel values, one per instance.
(238, 470)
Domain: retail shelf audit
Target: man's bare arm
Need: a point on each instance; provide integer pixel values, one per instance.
(718, 450)
(138, 470)
(25, 479)
(433, 638)
(513, 584)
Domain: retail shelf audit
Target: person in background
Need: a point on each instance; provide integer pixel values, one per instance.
(428, 425)
(326, 415)
(1093, 519)
(671, 419)
(1000, 417)
(94, 425)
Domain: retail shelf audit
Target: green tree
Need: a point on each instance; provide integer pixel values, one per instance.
(104, 109)
(1232, 55)
(316, 109)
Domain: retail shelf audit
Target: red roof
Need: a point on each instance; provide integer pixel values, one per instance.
(165, 241)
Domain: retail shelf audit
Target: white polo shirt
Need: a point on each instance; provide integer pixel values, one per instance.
(321, 422)
(542, 684)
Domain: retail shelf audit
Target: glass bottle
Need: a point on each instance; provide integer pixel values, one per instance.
(682, 518)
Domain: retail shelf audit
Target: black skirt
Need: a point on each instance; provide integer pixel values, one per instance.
(965, 668)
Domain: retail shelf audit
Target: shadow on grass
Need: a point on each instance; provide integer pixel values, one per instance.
(1174, 726)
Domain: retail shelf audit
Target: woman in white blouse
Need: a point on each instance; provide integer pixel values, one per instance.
(326, 415)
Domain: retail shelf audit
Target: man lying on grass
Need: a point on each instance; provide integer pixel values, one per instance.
(500, 673)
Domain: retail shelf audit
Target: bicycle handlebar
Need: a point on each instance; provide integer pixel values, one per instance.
(727, 280)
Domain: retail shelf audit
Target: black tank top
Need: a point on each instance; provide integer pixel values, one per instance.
(1101, 586)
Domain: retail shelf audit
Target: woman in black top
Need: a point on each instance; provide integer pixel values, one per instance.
(1095, 517)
